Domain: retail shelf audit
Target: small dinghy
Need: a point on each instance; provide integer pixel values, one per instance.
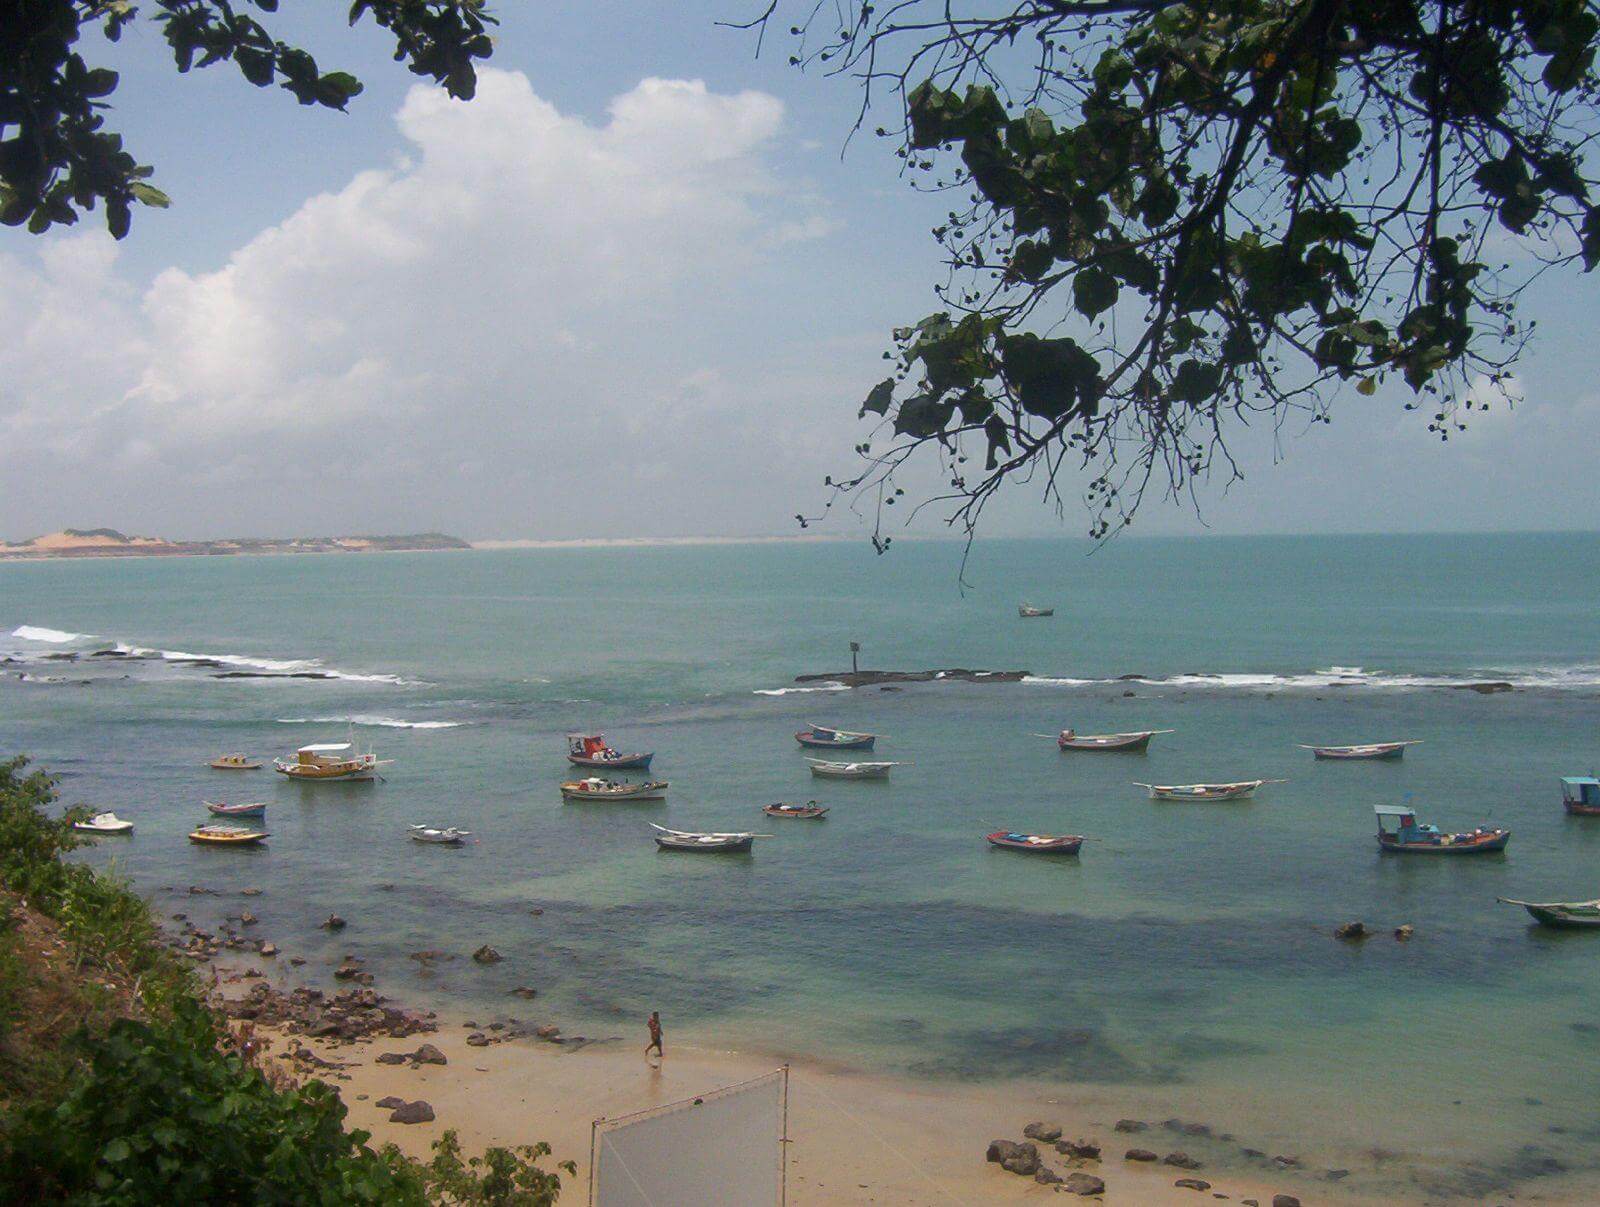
(1039, 844)
(1372, 750)
(1029, 612)
(1571, 915)
(850, 771)
(234, 762)
(256, 809)
(446, 836)
(690, 840)
(810, 811)
(1130, 742)
(590, 750)
(597, 789)
(104, 823)
(1399, 830)
(1580, 795)
(821, 737)
(227, 836)
(1241, 790)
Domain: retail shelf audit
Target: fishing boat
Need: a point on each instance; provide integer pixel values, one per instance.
(1130, 742)
(1580, 794)
(690, 840)
(1029, 612)
(595, 788)
(1241, 790)
(1372, 750)
(1568, 914)
(255, 809)
(1398, 830)
(330, 761)
(810, 811)
(104, 823)
(234, 762)
(590, 750)
(823, 769)
(824, 738)
(227, 836)
(446, 836)
(1038, 844)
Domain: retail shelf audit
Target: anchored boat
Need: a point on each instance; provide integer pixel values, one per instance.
(824, 738)
(824, 769)
(227, 836)
(104, 823)
(1029, 612)
(1567, 914)
(590, 750)
(810, 811)
(447, 836)
(1580, 795)
(690, 840)
(254, 809)
(1070, 739)
(597, 789)
(1039, 844)
(234, 762)
(1372, 750)
(1241, 790)
(1398, 830)
(330, 761)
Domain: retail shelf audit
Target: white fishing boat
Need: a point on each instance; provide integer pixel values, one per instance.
(823, 769)
(1071, 739)
(1029, 612)
(104, 823)
(330, 761)
(1239, 790)
(597, 789)
(1371, 750)
(694, 840)
(448, 836)
(1568, 914)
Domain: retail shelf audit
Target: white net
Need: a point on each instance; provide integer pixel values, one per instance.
(723, 1148)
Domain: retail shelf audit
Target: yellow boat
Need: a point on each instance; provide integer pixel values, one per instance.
(330, 761)
(227, 836)
(234, 762)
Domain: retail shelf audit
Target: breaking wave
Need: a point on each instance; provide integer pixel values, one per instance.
(1549, 678)
(799, 691)
(363, 719)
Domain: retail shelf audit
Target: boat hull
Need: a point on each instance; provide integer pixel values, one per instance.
(1135, 743)
(236, 810)
(1482, 845)
(309, 774)
(1578, 809)
(805, 813)
(628, 762)
(123, 827)
(639, 792)
(1214, 794)
(1055, 845)
(836, 773)
(862, 743)
(1364, 755)
(228, 840)
(732, 846)
(1562, 918)
(218, 765)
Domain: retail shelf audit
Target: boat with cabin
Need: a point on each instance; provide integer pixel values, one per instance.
(1239, 790)
(330, 761)
(1037, 844)
(824, 737)
(824, 769)
(445, 836)
(590, 750)
(1580, 795)
(234, 762)
(810, 811)
(1029, 612)
(104, 823)
(227, 836)
(597, 789)
(251, 809)
(1569, 915)
(1131, 743)
(692, 840)
(1371, 750)
(1399, 830)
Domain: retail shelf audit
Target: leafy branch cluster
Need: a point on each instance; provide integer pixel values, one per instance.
(58, 159)
(1170, 220)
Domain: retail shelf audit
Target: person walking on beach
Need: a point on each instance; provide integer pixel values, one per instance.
(655, 1035)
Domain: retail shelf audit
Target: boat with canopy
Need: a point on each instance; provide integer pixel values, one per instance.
(447, 836)
(234, 762)
(227, 836)
(597, 789)
(823, 769)
(693, 840)
(1399, 830)
(1571, 915)
(826, 738)
(1580, 795)
(1372, 750)
(1069, 739)
(330, 761)
(1239, 790)
(810, 811)
(252, 809)
(104, 823)
(590, 750)
(1038, 844)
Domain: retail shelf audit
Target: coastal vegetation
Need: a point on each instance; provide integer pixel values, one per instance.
(120, 1084)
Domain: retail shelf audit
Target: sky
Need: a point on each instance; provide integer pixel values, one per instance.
(637, 288)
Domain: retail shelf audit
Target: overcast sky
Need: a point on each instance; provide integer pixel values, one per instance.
(633, 289)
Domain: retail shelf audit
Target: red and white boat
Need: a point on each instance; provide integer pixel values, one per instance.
(590, 750)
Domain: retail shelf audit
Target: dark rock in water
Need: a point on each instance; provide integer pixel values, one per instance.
(249, 892)
(1192, 1184)
(412, 1112)
(333, 922)
(391, 1058)
(297, 960)
(1484, 689)
(1350, 930)
(271, 674)
(535, 912)
(1286, 1162)
(1403, 933)
(873, 678)
(889, 689)
(1047, 1177)
(1196, 1129)
(390, 1102)
(428, 956)
(350, 972)
(1131, 1125)
(1336, 1175)
(429, 1055)
(1129, 695)
(268, 949)
(1255, 1154)
(1180, 1160)
(525, 991)
(1139, 1154)
(548, 1031)
(1049, 1133)
(487, 955)
(1084, 1150)
(1285, 1200)
(247, 919)
(1585, 1028)
(1084, 1184)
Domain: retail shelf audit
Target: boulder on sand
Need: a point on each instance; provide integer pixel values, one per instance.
(1084, 1183)
(429, 1055)
(1139, 1154)
(1180, 1160)
(1017, 1158)
(1049, 1133)
(1192, 1184)
(390, 1102)
(412, 1112)
(391, 1058)
(1131, 1125)
(1084, 1150)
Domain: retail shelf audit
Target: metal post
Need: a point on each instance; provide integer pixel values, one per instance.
(783, 1146)
(594, 1130)
(855, 648)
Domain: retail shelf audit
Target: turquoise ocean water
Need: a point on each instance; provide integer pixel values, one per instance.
(1183, 965)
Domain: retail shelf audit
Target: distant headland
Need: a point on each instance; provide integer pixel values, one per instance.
(108, 542)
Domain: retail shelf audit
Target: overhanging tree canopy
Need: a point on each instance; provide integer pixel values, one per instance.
(1171, 219)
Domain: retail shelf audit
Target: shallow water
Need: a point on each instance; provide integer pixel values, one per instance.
(1184, 961)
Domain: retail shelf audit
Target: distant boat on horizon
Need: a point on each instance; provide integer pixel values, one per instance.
(1028, 611)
